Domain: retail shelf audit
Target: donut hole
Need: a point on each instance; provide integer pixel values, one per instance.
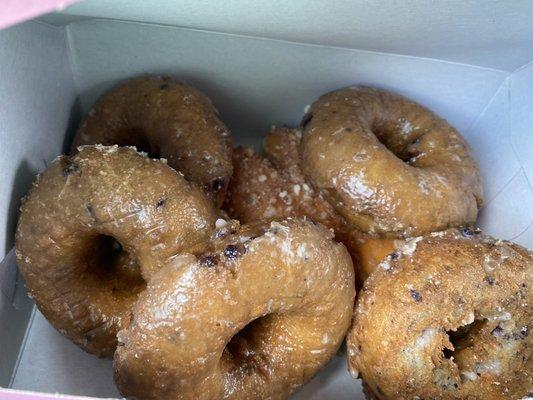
(113, 267)
(109, 250)
(462, 338)
(401, 143)
(240, 349)
(145, 146)
(139, 139)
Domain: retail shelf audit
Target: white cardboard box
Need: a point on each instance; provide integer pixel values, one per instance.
(261, 62)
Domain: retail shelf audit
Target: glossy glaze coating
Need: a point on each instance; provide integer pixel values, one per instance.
(165, 118)
(274, 186)
(449, 317)
(388, 164)
(255, 317)
(94, 227)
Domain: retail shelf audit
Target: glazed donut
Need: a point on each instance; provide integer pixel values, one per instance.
(165, 118)
(448, 318)
(275, 187)
(389, 165)
(76, 219)
(253, 318)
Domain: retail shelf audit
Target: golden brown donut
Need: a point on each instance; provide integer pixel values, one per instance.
(447, 318)
(275, 187)
(76, 219)
(165, 118)
(388, 164)
(253, 318)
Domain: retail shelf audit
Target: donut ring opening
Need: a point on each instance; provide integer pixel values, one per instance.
(461, 338)
(138, 138)
(110, 264)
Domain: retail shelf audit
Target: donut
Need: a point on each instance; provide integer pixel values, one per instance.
(254, 317)
(94, 228)
(274, 186)
(165, 118)
(447, 318)
(389, 165)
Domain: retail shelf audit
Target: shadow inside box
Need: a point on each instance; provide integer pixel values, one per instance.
(24, 176)
(332, 382)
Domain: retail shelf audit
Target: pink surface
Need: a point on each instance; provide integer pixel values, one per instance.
(15, 11)
(9, 394)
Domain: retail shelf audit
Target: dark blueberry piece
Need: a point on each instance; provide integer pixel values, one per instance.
(524, 331)
(306, 119)
(467, 232)
(415, 295)
(217, 184)
(231, 251)
(394, 256)
(220, 233)
(70, 168)
(164, 86)
(497, 332)
(208, 261)
(160, 202)
(416, 141)
(489, 280)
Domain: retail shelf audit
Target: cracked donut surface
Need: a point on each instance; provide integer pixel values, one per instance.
(449, 317)
(94, 228)
(253, 317)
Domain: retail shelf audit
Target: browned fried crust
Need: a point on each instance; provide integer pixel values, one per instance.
(165, 118)
(449, 320)
(275, 187)
(286, 288)
(388, 164)
(67, 222)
